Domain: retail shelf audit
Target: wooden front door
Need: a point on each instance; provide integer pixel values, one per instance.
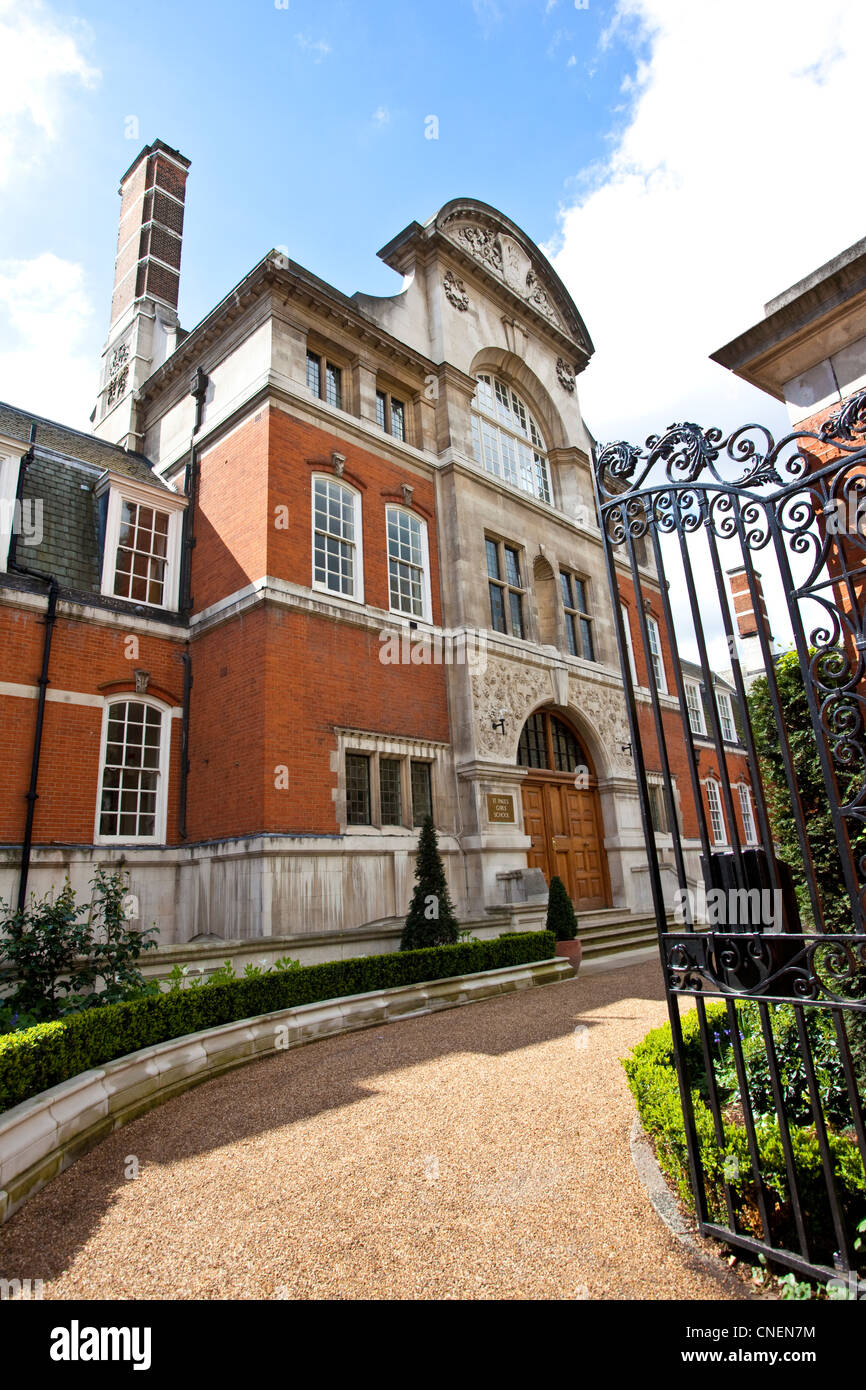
(564, 825)
(563, 820)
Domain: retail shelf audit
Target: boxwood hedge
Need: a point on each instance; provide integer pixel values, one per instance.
(39, 1057)
(653, 1082)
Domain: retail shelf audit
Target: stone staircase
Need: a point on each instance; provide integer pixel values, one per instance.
(611, 932)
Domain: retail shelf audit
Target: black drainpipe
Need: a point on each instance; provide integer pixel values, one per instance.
(198, 388)
(50, 617)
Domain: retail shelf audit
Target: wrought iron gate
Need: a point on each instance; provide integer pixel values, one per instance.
(771, 1079)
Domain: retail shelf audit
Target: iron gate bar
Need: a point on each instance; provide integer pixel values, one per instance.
(767, 969)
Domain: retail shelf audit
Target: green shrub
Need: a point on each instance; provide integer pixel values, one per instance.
(63, 956)
(561, 918)
(653, 1082)
(39, 1057)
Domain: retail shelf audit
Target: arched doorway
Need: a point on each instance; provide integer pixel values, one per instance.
(562, 811)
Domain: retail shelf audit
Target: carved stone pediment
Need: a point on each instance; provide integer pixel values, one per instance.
(504, 257)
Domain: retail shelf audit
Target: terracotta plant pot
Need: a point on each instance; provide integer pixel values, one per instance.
(572, 950)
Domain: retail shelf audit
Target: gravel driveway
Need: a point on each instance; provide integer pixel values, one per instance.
(476, 1153)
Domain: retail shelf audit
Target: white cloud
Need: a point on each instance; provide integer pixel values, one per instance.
(38, 57)
(381, 116)
(727, 183)
(319, 48)
(46, 364)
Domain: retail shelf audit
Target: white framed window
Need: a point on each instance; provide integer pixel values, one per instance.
(507, 440)
(748, 814)
(10, 464)
(717, 818)
(338, 565)
(408, 564)
(141, 556)
(655, 645)
(628, 643)
(133, 771)
(726, 716)
(695, 707)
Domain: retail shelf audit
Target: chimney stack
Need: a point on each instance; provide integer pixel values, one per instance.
(144, 324)
(749, 622)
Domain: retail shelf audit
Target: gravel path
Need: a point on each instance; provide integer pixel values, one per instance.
(476, 1153)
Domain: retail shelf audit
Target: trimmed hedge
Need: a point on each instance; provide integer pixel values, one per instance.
(37, 1058)
(652, 1080)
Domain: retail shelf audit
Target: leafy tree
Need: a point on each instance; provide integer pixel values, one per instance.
(561, 917)
(431, 920)
(813, 793)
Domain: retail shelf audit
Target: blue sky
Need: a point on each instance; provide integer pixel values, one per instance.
(671, 157)
(306, 127)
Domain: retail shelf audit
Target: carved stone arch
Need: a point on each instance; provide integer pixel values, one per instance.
(582, 728)
(501, 362)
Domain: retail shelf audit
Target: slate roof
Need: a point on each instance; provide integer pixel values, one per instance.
(59, 486)
(76, 444)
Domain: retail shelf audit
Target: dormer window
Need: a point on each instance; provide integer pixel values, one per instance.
(141, 558)
(507, 440)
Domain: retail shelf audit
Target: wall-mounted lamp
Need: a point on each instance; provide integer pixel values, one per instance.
(500, 722)
(625, 748)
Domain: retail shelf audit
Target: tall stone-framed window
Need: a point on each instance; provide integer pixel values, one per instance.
(408, 564)
(324, 379)
(338, 564)
(391, 414)
(506, 587)
(507, 439)
(133, 771)
(578, 622)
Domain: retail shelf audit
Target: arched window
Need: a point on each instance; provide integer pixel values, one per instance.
(408, 563)
(133, 772)
(507, 440)
(547, 742)
(337, 553)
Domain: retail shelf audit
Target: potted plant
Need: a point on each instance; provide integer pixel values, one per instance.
(562, 921)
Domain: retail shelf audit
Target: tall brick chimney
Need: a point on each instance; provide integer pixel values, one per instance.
(749, 622)
(144, 326)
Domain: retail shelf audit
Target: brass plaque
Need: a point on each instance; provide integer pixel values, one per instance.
(500, 808)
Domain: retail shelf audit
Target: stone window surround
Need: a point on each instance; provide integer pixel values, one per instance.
(389, 746)
(121, 489)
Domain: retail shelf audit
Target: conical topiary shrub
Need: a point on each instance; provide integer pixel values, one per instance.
(561, 917)
(431, 920)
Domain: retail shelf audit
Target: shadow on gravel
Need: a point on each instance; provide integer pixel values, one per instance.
(296, 1085)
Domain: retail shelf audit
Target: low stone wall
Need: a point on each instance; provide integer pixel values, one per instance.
(44, 1135)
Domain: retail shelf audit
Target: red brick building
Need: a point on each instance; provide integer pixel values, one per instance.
(327, 563)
